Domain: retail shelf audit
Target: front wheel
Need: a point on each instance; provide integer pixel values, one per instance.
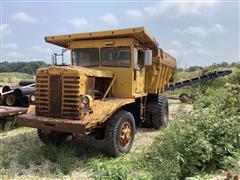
(120, 133)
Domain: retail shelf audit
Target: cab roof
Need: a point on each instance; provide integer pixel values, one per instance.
(139, 33)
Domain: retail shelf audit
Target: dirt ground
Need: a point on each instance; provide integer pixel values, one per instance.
(18, 142)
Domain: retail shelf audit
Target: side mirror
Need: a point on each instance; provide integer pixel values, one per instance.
(135, 58)
(148, 57)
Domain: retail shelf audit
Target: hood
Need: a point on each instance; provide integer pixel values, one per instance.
(75, 70)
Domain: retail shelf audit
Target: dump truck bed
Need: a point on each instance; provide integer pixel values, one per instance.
(8, 111)
(138, 33)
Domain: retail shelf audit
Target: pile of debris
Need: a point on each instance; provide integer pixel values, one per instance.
(22, 95)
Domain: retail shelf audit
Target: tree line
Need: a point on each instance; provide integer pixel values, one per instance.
(22, 67)
(30, 67)
(213, 66)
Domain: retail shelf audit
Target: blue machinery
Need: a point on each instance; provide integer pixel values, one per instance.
(200, 79)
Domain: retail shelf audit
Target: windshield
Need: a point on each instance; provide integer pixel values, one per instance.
(116, 56)
(85, 57)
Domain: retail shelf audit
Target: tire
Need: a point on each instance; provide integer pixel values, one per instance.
(148, 116)
(184, 98)
(55, 138)
(157, 113)
(121, 122)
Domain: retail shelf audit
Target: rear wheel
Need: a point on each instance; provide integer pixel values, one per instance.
(157, 113)
(55, 138)
(120, 133)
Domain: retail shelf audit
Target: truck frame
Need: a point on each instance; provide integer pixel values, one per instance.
(111, 86)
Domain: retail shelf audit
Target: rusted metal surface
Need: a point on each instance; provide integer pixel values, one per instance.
(102, 110)
(90, 85)
(52, 124)
(71, 95)
(55, 96)
(75, 70)
(42, 94)
(125, 134)
(6, 111)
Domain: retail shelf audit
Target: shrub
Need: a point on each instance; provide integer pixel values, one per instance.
(194, 68)
(108, 171)
(198, 141)
(235, 78)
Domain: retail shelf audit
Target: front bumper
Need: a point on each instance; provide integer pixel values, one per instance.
(52, 124)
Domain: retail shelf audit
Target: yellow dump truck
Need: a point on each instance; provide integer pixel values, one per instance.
(112, 86)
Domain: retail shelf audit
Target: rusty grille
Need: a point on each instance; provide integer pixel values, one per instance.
(42, 95)
(71, 97)
(55, 96)
(58, 96)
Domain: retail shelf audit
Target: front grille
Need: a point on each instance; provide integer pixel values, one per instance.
(42, 95)
(58, 96)
(55, 96)
(71, 97)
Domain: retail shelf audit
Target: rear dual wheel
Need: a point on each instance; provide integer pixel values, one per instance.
(157, 113)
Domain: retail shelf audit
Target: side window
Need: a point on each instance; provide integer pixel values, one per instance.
(139, 58)
(86, 57)
(116, 56)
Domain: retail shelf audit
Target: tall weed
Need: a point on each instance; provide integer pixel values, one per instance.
(199, 141)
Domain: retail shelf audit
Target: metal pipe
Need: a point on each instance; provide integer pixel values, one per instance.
(6, 89)
(26, 82)
(1, 99)
(30, 85)
(20, 92)
(25, 101)
(10, 100)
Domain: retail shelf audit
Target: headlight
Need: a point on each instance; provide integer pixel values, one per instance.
(33, 98)
(85, 100)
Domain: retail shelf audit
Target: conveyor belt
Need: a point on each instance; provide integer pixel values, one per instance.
(200, 79)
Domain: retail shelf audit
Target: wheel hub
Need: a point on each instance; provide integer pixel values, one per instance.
(125, 134)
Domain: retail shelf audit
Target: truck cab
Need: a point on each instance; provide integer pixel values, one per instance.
(112, 85)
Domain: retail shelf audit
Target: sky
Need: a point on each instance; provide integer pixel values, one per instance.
(194, 32)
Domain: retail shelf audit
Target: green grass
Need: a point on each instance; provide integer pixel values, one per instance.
(13, 78)
(7, 124)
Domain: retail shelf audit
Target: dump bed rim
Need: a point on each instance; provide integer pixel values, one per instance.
(139, 33)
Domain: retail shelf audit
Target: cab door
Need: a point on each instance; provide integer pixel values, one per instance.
(139, 71)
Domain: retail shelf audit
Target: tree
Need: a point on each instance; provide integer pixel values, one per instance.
(22, 67)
